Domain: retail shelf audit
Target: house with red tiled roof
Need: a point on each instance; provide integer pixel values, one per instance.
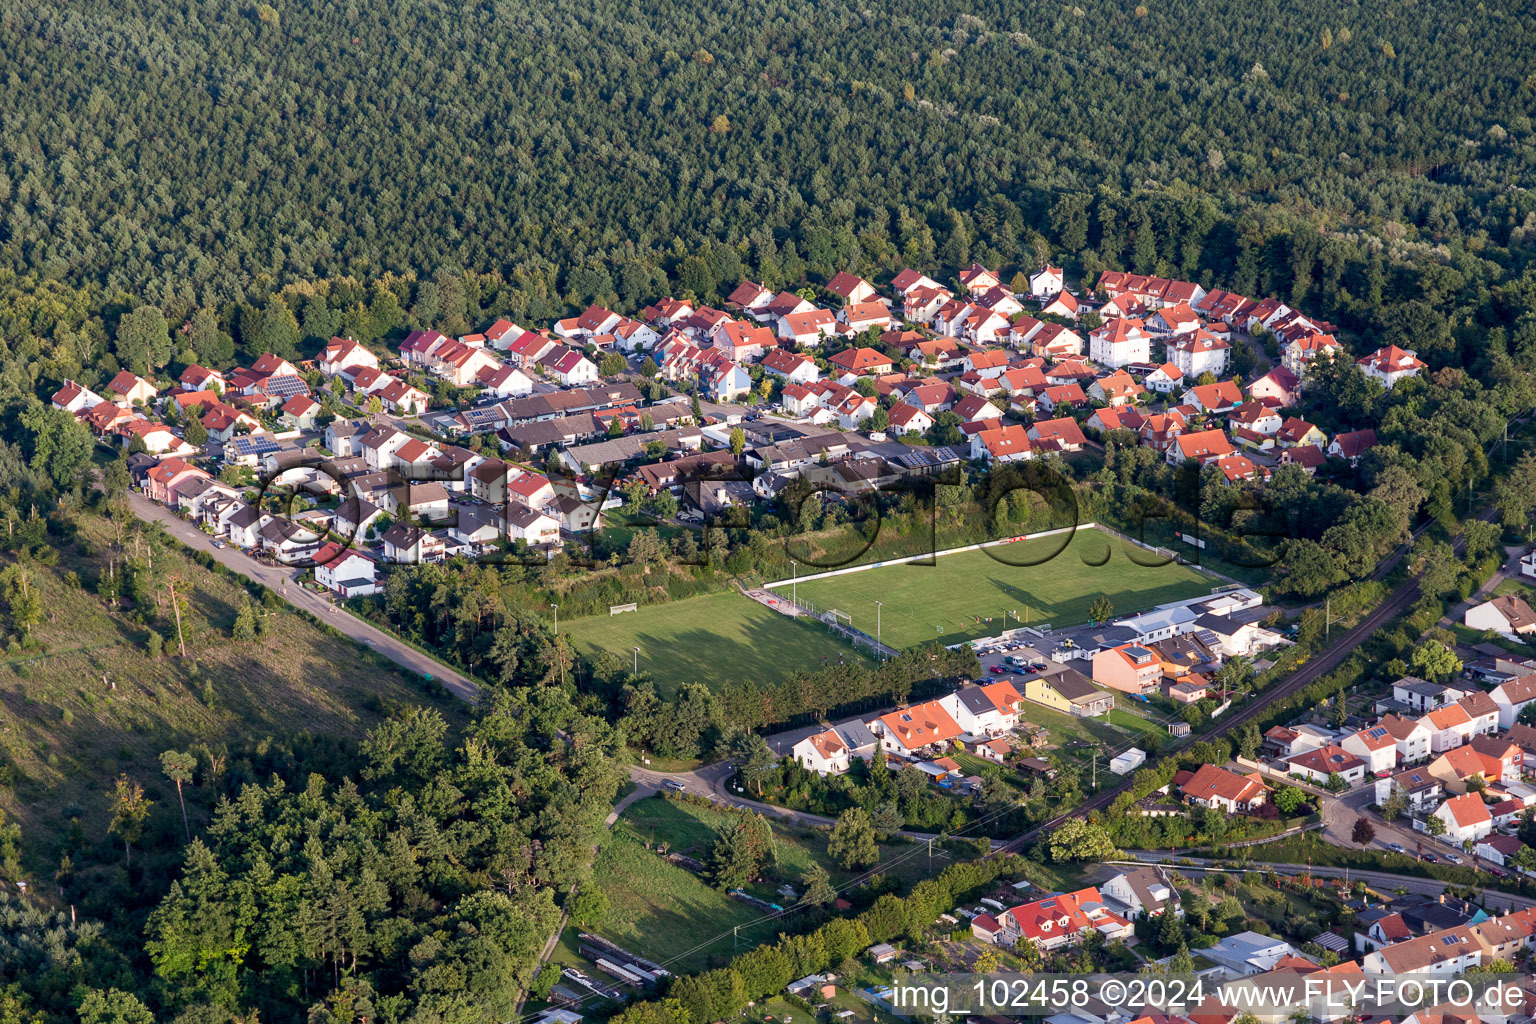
(200, 378)
(922, 304)
(824, 753)
(792, 367)
(742, 341)
(745, 296)
(999, 443)
(1124, 418)
(76, 398)
(931, 396)
(1165, 380)
(128, 388)
(1223, 789)
(973, 408)
(1199, 352)
(1119, 342)
(1325, 762)
(1389, 365)
(1201, 446)
(1298, 352)
(1279, 388)
(861, 316)
(977, 278)
(1053, 341)
(1047, 281)
(342, 353)
(908, 731)
(1061, 396)
(1061, 921)
(1063, 304)
(299, 412)
(909, 419)
(807, 326)
(862, 361)
(1119, 388)
(1458, 767)
(1352, 445)
(909, 280)
(1465, 817)
(1062, 434)
(1214, 399)
(1236, 469)
(1177, 318)
(851, 288)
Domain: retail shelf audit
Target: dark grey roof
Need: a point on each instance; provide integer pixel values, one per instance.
(1219, 624)
(974, 700)
(247, 516)
(1421, 687)
(522, 515)
(1073, 685)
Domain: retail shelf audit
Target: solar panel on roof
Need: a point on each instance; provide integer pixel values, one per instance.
(285, 386)
(1207, 637)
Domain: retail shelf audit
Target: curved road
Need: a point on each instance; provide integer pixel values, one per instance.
(283, 581)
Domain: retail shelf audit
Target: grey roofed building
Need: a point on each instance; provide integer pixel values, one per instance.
(619, 450)
(247, 516)
(537, 434)
(860, 741)
(1248, 953)
(1072, 684)
(974, 700)
(558, 403)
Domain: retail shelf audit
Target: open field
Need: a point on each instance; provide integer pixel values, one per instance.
(978, 593)
(665, 912)
(710, 640)
(88, 702)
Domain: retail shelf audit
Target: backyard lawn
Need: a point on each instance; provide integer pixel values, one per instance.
(980, 593)
(711, 640)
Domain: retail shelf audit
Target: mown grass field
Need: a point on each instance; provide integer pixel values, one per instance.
(88, 702)
(671, 915)
(980, 593)
(711, 640)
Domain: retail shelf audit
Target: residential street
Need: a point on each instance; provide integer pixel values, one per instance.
(282, 581)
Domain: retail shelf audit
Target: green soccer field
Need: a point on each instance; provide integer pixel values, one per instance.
(976, 593)
(711, 640)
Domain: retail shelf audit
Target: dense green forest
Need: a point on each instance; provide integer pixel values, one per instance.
(194, 153)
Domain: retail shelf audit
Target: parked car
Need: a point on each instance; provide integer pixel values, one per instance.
(1395, 847)
(1453, 858)
(1430, 858)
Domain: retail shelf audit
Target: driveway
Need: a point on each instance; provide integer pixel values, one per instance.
(283, 581)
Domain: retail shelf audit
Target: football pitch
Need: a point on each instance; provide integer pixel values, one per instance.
(711, 640)
(976, 593)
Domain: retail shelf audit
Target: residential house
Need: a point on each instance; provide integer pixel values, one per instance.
(128, 389)
(862, 362)
(908, 419)
(1296, 432)
(1202, 446)
(299, 412)
(792, 367)
(1222, 789)
(1199, 352)
(1352, 445)
(1513, 697)
(998, 443)
(1389, 365)
(1460, 769)
(1506, 613)
(1117, 389)
(975, 409)
(824, 753)
(1422, 695)
(1465, 817)
(851, 288)
(1142, 892)
(1375, 745)
(1063, 433)
(1449, 726)
(908, 731)
(1129, 668)
(1278, 388)
(807, 327)
(1069, 691)
(1046, 282)
(1120, 342)
(1298, 352)
(1411, 736)
(1214, 399)
(411, 544)
(75, 398)
(1059, 921)
(346, 572)
(1322, 764)
(343, 353)
(977, 278)
(533, 527)
(1421, 789)
(1165, 380)
(978, 713)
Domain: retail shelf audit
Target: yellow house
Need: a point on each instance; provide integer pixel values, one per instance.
(1069, 691)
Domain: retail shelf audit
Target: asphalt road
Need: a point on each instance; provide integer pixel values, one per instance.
(284, 581)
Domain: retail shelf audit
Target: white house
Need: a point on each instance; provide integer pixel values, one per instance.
(1506, 613)
(1514, 697)
(1465, 817)
(1143, 892)
(1375, 746)
(1046, 281)
(1390, 364)
(344, 572)
(1411, 737)
(1199, 352)
(1119, 343)
(824, 753)
(974, 711)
